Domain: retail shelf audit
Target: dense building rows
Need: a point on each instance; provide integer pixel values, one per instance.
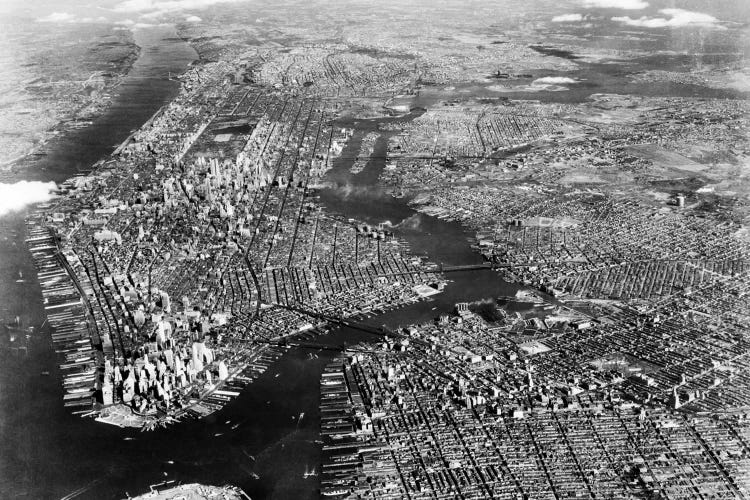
(335, 71)
(459, 408)
(200, 244)
(450, 132)
(630, 383)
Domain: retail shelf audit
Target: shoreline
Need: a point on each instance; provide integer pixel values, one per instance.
(39, 245)
(23, 298)
(418, 307)
(71, 121)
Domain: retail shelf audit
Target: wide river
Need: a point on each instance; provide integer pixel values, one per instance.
(48, 453)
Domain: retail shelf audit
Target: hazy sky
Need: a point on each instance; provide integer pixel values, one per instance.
(643, 13)
(675, 18)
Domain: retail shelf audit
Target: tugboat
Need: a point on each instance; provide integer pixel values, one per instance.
(334, 492)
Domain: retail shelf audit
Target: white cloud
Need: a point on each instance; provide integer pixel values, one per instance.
(616, 4)
(544, 84)
(164, 14)
(130, 24)
(167, 5)
(139, 26)
(18, 195)
(676, 18)
(58, 17)
(554, 80)
(153, 15)
(567, 18)
(64, 17)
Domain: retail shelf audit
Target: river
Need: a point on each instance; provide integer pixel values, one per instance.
(49, 453)
(257, 441)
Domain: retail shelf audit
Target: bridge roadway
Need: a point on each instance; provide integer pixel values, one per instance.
(452, 269)
(382, 331)
(333, 320)
(339, 321)
(298, 344)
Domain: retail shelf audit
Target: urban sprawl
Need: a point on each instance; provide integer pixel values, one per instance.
(182, 266)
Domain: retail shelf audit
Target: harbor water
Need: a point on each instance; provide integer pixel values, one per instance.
(264, 440)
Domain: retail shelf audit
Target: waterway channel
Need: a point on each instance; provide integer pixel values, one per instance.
(257, 442)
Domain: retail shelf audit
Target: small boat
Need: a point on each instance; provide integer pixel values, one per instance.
(334, 492)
